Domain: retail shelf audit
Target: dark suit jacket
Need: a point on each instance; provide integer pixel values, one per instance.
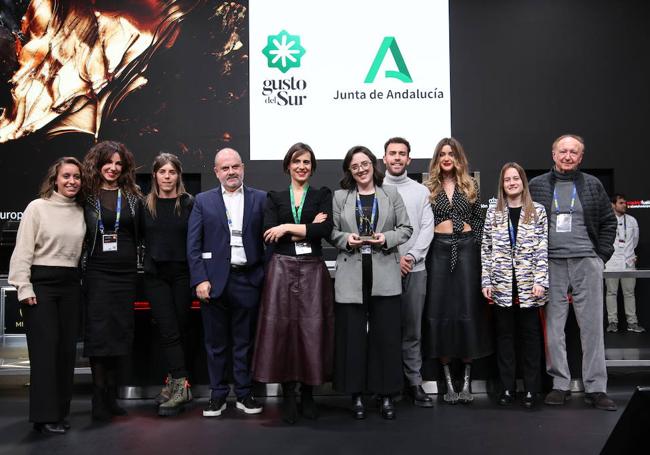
(208, 239)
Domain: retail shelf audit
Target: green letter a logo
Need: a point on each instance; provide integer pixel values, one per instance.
(403, 74)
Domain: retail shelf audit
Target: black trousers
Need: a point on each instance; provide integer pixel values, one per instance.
(368, 342)
(368, 346)
(519, 327)
(168, 292)
(52, 326)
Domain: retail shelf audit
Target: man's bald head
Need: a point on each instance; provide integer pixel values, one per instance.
(229, 169)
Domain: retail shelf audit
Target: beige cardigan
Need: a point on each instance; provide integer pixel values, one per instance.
(51, 233)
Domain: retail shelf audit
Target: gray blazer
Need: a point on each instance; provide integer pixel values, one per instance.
(393, 222)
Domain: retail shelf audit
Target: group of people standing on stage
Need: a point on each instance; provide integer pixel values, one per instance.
(412, 262)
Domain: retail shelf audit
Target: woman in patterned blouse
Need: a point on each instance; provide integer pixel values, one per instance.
(455, 316)
(515, 278)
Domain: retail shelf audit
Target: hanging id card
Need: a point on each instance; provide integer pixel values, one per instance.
(563, 222)
(109, 242)
(303, 248)
(366, 249)
(236, 238)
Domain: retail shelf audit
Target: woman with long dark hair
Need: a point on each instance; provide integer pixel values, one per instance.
(455, 317)
(514, 257)
(167, 276)
(112, 213)
(44, 269)
(295, 330)
(370, 221)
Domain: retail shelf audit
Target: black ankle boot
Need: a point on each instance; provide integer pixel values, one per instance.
(387, 408)
(358, 410)
(99, 408)
(289, 404)
(111, 402)
(506, 398)
(307, 405)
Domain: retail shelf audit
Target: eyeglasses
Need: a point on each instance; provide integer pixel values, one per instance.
(361, 166)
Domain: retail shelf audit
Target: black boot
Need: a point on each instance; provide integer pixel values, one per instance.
(420, 398)
(358, 410)
(506, 398)
(111, 402)
(99, 408)
(289, 404)
(307, 405)
(387, 408)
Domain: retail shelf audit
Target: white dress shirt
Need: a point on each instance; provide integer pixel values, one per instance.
(234, 202)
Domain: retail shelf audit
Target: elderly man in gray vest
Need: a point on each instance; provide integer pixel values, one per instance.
(582, 227)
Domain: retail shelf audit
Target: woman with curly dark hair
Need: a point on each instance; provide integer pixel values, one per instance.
(112, 210)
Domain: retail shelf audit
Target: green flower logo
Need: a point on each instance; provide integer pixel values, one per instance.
(283, 51)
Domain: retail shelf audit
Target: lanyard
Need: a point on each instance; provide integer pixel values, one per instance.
(624, 239)
(228, 218)
(297, 213)
(511, 232)
(373, 214)
(118, 210)
(557, 204)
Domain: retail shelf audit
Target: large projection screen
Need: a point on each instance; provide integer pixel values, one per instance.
(338, 73)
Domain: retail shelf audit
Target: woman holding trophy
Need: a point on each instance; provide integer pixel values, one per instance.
(370, 221)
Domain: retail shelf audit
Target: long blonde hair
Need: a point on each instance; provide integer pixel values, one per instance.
(464, 182)
(526, 199)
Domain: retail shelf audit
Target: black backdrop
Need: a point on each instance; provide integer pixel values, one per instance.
(522, 73)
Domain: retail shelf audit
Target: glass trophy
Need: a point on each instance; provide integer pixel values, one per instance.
(365, 229)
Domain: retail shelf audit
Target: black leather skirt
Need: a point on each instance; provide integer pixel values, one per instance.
(457, 319)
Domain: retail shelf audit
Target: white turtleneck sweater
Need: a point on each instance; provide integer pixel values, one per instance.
(418, 207)
(51, 233)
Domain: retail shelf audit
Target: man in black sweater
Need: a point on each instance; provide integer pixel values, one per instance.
(582, 227)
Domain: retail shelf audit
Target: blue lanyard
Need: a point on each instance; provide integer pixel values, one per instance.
(557, 204)
(372, 215)
(511, 231)
(118, 210)
(228, 218)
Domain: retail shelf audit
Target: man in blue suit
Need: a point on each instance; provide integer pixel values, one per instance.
(225, 252)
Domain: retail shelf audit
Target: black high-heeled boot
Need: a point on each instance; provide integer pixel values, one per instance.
(111, 402)
(99, 408)
(289, 404)
(308, 406)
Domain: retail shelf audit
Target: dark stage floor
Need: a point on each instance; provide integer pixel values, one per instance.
(481, 428)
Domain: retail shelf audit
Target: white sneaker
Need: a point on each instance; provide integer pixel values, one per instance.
(613, 327)
(215, 408)
(249, 405)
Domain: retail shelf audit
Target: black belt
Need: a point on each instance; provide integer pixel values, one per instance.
(240, 268)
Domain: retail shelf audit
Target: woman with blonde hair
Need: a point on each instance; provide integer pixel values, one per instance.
(455, 318)
(515, 278)
(44, 269)
(166, 274)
